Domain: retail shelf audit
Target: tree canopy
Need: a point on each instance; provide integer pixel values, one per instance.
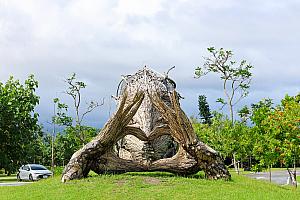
(18, 121)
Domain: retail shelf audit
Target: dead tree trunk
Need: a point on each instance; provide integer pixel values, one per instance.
(82, 160)
(151, 111)
(182, 131)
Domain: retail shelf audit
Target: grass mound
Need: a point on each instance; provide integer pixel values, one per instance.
(153, 185)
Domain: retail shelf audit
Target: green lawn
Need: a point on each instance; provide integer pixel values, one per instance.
(150, 186)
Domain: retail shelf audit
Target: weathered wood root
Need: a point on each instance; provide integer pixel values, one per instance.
(193, 155)
(83, 159)
(181, 163)
(182, 131)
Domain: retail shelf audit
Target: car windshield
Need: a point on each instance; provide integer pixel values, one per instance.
(38, 167)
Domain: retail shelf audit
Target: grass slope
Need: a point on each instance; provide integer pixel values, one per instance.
(149, 186)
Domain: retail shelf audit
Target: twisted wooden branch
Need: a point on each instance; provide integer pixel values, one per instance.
(181, 129)
(193, 155)
(82, 160)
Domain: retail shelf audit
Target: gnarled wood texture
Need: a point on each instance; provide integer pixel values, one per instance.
(182, 131)
(148, 132)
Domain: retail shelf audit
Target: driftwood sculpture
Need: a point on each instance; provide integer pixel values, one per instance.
(148, 132)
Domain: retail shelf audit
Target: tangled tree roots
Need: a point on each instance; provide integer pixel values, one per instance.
(100, 154)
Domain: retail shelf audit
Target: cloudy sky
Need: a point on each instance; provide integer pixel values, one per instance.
(101, 40)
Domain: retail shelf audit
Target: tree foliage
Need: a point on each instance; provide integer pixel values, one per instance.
(66, 143)
(282, 131)
(226, 137)
(265, 144)
(236, 76)
(74, 90)
(204, 111)
(74, 135)
(18, 122)
(61, 118)
(272, 139)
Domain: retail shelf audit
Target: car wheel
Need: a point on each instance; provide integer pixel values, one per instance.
(30, 177)
(18, 177)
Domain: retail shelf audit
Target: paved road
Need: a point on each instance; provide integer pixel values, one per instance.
(280, 177)
(14, 183)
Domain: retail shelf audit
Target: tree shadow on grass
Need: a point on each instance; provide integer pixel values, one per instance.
(199, 175)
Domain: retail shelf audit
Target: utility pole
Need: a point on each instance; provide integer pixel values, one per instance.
(52, 148)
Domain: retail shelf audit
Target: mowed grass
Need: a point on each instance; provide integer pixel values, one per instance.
(154, 185)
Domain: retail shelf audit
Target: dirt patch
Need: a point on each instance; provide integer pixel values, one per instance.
(151, 180)
(120, 182)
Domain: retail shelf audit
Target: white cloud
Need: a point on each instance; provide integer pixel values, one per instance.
(100, 40)
(90, 12)
(139, 8)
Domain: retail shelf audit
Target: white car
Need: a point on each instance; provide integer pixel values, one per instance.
(33, 172)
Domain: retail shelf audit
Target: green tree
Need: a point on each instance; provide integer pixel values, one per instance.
(74, 90)
(74, 135)
(283, 124)
(225, 137)
(216, 134)
(61, 118)
(204, 111)
(266, 145)
(35, 150)
(244, 113)
(18, 122)
(67, 142)
(236, 77)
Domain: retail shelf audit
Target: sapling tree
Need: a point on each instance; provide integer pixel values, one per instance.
(236, 77)
(75, 135)
(74, 90)
(61, 118)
